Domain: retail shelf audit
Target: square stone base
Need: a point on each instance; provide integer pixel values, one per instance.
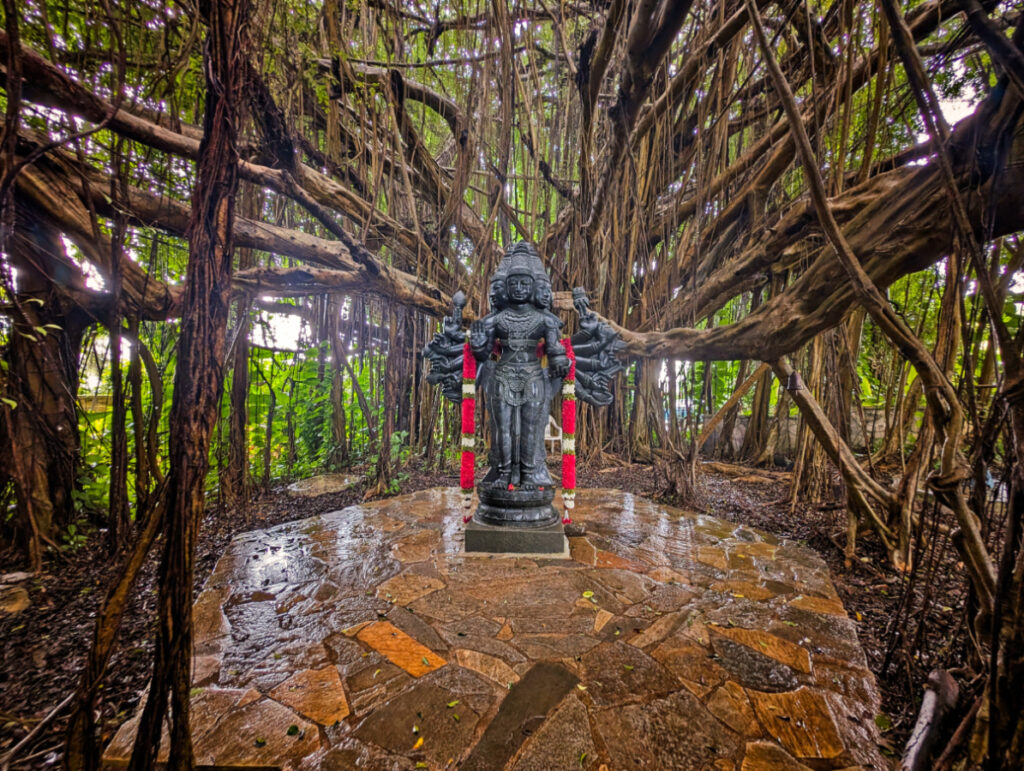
(540, 541)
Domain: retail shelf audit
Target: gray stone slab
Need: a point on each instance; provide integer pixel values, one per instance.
(522, 712)
(489, 539)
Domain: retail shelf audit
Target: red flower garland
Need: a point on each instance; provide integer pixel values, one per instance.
(468, 414)
(468, 460)
(467, 467)
(569, 433)
(568, 416)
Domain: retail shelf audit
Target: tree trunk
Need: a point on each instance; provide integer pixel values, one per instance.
(235, 486)
(119, 515)
(645, 426)
(236, 481)
(198, 384)
(757, 427)
(142, 464)
(392, 398)
(40, 453)
(725, 448)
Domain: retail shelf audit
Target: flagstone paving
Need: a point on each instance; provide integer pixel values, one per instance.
(365, 638)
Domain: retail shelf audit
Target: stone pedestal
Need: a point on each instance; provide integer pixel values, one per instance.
(482, 538)
(517, 509)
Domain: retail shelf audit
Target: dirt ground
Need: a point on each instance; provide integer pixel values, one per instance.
(906, 625)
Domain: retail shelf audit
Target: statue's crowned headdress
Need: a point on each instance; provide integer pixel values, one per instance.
(521, 258)
(519, 264)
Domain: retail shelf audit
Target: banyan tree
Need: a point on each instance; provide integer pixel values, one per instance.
(806, 209)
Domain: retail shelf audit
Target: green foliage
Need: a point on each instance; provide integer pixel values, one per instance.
(74, 537)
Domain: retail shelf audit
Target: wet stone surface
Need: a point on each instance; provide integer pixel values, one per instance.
(323, 484)
(366, 638)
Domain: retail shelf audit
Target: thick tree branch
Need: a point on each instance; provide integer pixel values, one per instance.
(942, 398)
(48, 185)
(53, 88)
(652, 29)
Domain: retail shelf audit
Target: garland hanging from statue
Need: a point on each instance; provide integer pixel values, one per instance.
(468, 460)
(569, 433)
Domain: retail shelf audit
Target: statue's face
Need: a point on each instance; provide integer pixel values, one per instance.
(497, 294)
(544, 295)
(520, 288)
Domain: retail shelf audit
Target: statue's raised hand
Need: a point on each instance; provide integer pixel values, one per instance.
(452, 328)
(477, 334)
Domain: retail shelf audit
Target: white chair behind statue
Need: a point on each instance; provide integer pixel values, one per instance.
(552, 434)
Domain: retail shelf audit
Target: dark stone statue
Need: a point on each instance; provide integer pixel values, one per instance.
(510, 344)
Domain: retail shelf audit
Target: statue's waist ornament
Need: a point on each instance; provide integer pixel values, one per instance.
(520, 382)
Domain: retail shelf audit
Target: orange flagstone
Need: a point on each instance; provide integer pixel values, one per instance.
(205, 669)
(488, 666)
(744, 589)
(695, 629)
(401, 649)
(783, 651)
(257, 735)
(729, 704)
(819, 605)
(692, 665)
(389, 524)
(315, 693)
(605, 559)
(763, 550)
(408, 587)
(602, 618)
(667, 576)
(713, 556)
(353, 630)
(582, 550)
(801, 720)
(766, 756)
(208, 619)
(417, 547)
(656, 632)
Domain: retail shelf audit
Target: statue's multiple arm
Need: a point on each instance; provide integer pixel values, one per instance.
(596, 346)
(558, 361)
(597, 394)
(443, 348)
(444, 352)
(594, 336)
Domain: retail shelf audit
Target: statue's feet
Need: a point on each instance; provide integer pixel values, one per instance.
(529, 486)
(502, 482)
